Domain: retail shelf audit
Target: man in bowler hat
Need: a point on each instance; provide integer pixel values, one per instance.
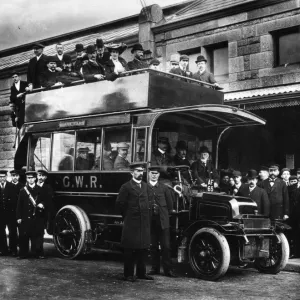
(238, 184)
(133, 204)
(278, 194)
(79, 49)
(256, 193)
(202, 74)
(161, 206)
(137, 62)
(102, 55)
(183, 67)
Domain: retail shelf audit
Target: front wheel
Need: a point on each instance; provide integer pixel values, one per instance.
(71, 231)
(209, 254)
(278, 257)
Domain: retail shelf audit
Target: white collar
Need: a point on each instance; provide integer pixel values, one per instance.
(153, 183)
(40, 184)
(60, 56)
(38, 57)
(137, 181)
(51, 70)
(252, 188)
(31, 185)
(18, 84)
(239, 185)
(161, 151)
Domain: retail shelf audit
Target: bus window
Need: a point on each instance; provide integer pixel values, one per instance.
(117, 148)
(39, 157)
(63, 151)
(140, 139)
(88, 145)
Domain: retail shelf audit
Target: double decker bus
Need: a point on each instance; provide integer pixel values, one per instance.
(210, 230)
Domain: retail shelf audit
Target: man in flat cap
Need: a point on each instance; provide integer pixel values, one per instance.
(285, 175)
(121, 162)
(8, 204)
(183, 67)
(256, 193)
(161, 203)
(79, 55)
(82, 161)
(263, 173)
(154, 64)
(37, 65)
(49, 76)
(68, 74)
(17, 99)
(174, 61)
(102, 55)
(31, 218)
(203, 170)
(278, 194)
(161, 156)
(137, 62)
(136, 228)
(202, 74)
(238, 184)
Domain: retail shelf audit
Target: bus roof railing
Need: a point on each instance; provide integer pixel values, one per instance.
(131, 73)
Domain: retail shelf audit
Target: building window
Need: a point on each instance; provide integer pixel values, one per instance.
(217, 56)
(287, 46)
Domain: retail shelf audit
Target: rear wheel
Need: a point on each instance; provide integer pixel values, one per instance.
(278, 257)
(209, 254)
(72, 231)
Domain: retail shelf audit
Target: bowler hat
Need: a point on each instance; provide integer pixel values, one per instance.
(184, 57)
(121, 47)
(286, 170)
(136, 165)
(15, 172)
(293, 177)
(204, 149)
(83, 149)
(99, 43)
(79, 47)
(67, 59)
(90, 49)
(14, 72)
(163, 140)
(236, 173)
(155, 62)
(137, 47)
(42, 171)
(37, 46)
(30, 173)
(201, 58)
(181, 145)
(251, 174)
(3, 172)
(155, 168)
(122, 145)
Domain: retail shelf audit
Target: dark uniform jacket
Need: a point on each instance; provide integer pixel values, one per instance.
(110, 68)
(180, 72)
(205, 76)
(59, 63)
(178, 161)
(259, 195)
(82, 163)
(67, 77)
(49, 78)
(278, 196)
(104, 58)
(18, 102)
(160, 195)
(121, 163)
(235, 190)
(159, 159)
(137, 64)
(90, 69)
(203, 172)
(133, 204)
(8, 200)
(35, 69)
(78, 64)
(33, 220)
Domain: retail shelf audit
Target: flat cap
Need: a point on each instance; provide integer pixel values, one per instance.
(155, 62)
(163, 139)
(274, 166)
(236, 173)
(286, 170)
(136, 165)
(15, 172)
(184, 57)
(30, 173)
(83, 149)
(37, 46)
(154, 168)
(123, 145)
(90, 49)
(263, 168)
(42, 171)
(14, 72)
(51, 58)
(293, 177)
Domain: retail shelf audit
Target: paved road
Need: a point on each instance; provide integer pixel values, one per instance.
(98, 277)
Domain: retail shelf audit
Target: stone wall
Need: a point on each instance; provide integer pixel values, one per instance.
(250, 44)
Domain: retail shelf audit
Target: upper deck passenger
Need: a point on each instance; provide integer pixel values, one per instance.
(154, 64)
(79, 57)
(36, 66)
(49, 76)
(202, 74)
(137, 63)
(102, 53)
(68, 75)
(183, 67)
(60, 57)
(116, 64)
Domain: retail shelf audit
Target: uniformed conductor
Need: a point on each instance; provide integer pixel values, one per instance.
(161, 207)
(31, 217)
(133, 204)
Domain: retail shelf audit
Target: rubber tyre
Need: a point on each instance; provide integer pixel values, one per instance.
(71, 225)
(279, 255)
(209, 254)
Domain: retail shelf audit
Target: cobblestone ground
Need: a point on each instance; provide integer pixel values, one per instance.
(98, 277)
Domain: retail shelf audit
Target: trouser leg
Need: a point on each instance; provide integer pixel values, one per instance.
(165, 249)
(13, 234)
(128, 262)
(3, 238)
(23, 244)
(154, 249)
(39, 244)
(141, 256)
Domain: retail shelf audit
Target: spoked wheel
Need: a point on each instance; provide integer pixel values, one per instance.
(278, 257)
(71, 229)
(209, 254)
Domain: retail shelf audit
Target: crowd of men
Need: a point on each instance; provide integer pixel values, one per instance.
(26, 211)
(93, 63)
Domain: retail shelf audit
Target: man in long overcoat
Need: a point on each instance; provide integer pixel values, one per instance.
(256, 193)
(133, 204)
(31, 218)
(161, 207)
(278, 194)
